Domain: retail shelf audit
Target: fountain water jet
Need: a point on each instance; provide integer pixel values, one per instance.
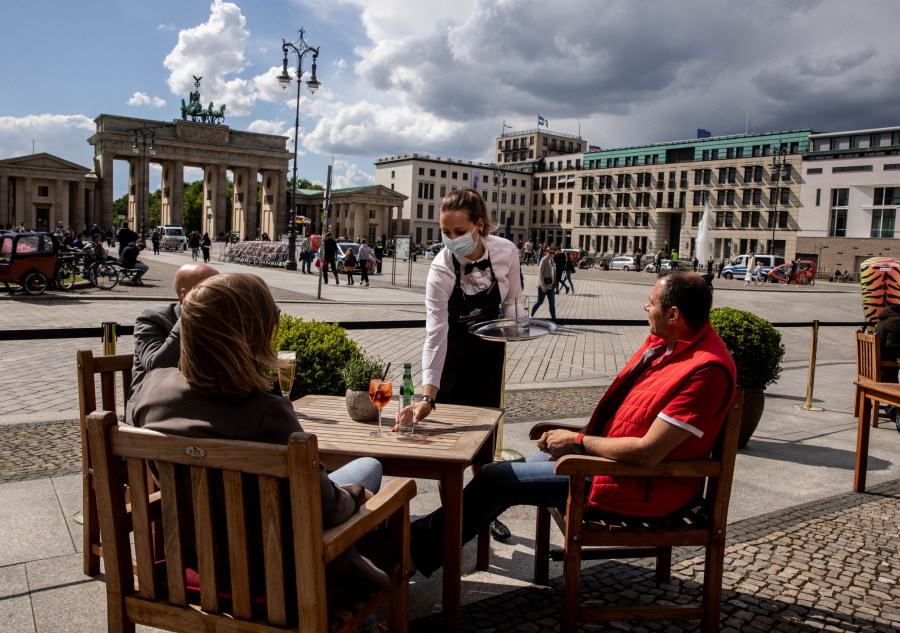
(703, 250)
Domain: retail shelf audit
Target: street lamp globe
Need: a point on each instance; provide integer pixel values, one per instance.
(313, 85)
(134, 148)
(284, 79)
(152, 148)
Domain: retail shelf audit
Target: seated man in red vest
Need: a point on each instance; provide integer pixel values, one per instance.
(668, 403)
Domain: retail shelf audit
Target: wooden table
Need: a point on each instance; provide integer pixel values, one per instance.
(869, 391)
(449, 440)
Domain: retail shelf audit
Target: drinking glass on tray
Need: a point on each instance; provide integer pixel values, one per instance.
(380, 393)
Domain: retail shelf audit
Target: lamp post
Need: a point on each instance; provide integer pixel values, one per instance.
(144, 133)
(779, 158)
(300, 48)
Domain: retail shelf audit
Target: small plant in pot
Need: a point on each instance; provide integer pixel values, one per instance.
(356, 374)
(757, 351)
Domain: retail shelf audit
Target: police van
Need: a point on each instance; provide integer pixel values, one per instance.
(176, 231)
(738, 266)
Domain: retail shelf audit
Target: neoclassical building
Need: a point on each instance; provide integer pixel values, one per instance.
(40, 190)
(372, 211)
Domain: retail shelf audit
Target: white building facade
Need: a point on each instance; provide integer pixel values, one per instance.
(849, 198)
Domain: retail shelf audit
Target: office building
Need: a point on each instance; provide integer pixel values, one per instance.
(555, 199)
(652, 197)
(849, 198)
(524, 147)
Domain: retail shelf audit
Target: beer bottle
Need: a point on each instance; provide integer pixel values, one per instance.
(406, 388)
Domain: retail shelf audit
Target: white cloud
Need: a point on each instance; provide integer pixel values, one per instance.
(212, 51)
(340, 63)
(141, 98)
(261, 126)
(57, 134)
(263, 50)
(353, 176)
(165, 27)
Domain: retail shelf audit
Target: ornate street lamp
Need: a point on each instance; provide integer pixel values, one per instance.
(300, 48)
(144, 133)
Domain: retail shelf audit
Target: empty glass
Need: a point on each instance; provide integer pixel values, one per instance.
(522, 317)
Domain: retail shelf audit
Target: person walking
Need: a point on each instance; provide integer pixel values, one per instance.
(365, 255)
(759, 272)
(751, 264)
(205, 245)
(95, 230)
(559, 263)
(305, 256)
(379, 255)
(154, 239)
(194, 245)
(568, 269)
(349, 266)
(125, 236)
(529, 252)
(674, 256)
(721, 268)
(638, 256)
(546, 277)
(659, 258)
(709, 266)
(330, 258)
(109, 237)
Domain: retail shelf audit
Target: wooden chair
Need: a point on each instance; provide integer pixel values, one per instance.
(218, 596)
(702, 525)
(869, 366)
(88, 368)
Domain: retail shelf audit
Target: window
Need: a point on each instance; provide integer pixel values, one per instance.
(715, 154)
(628, 161)
(748, 174)
(659, 200)
(773, 196)
(707, 176)
(745, 219)
(739, 152)
(758, 173)
(553, 182)
(786, 176)
(755, 151)
(430, 234)
(392, 187)
(533, 216)
(569, 216)
(552, 195)
(421, 171)
(732, 175)
(720, 197)
(706, 154)
(695, 218)
(620, 180)
(723, 175)
(484, 195)
(782, 219)
(720, 219)
(503, 217)
(757, 196)
(521, 219)
(418, 210)
(840, 197)
(627, 199)
(581, 217)
(883, 222)
(729, 219)
(493, 196)
(431, 172)
(590, 202)
(543, 216)
(771, 223)
(640, 180)
(892, 166)
(443, 173)
(466, 175)
(746, 198)
(696, 198)
(393, 174)
(754, 219)
(729, 153)
(443, 190)
(671, 202)
(682, 200)
(684, 178)
(785, 195)
(43, 192)
(840, 170)
(817, 170)
(430, 211)
(729, 198)
(698, 177)
(503, 198)
(522, 199)
(627, 180)
(569, 198)
(453, 175)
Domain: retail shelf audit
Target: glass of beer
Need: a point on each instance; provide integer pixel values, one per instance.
(286, 374)
(523, 323)
(380, 394)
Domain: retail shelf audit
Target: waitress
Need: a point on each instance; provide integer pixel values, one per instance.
(468, 282)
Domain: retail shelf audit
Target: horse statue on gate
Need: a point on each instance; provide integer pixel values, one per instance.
(197, 112)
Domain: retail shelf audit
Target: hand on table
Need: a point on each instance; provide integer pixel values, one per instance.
(418, 411)
(557, 442)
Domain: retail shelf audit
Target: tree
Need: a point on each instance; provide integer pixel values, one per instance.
(305, 184)
(193, 205)
(155, 209)
(120, 208)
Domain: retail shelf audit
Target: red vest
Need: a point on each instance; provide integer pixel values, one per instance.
(657, 496)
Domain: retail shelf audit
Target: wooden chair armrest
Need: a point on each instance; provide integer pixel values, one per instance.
(586, 466)
(542, 427)
(388, 500)
(890, 363)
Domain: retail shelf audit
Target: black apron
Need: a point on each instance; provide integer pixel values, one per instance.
(473, 369)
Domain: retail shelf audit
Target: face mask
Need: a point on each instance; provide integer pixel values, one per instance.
(463, 245)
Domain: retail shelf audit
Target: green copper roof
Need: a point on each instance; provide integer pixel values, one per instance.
(309, 192)
(351, 189)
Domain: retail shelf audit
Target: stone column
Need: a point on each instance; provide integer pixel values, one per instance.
(250, 210)
(28, 206)
(143, 216)
(221, 185)
(209, 198)
(281, 211)
(133, 192)
(76, 210)
(90, 210)
(266, 212)
(356, 220)
(57, 214)
(386, 222)
(165, 194)
(4, 199)
(105, 218)
(177, 213)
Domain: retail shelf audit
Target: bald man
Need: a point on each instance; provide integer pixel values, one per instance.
(157, 332)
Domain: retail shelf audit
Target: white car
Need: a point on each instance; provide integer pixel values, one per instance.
(622, 263)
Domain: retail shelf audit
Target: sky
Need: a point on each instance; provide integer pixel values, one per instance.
(441, 78)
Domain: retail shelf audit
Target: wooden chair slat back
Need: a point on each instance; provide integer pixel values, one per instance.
(868, 356)
(143, 533)
(107, 367)
(199, 467)
(725, 452)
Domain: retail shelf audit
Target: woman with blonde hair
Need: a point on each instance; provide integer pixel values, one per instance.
(222, 389)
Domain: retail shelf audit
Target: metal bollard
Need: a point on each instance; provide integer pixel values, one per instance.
(811, 380)
(109, 338)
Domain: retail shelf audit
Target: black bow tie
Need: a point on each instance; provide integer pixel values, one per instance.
(482, 265)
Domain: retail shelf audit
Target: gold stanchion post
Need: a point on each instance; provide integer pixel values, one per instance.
(811, 380)
(504, 454)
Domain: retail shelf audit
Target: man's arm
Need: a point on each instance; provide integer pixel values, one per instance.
(153, 345)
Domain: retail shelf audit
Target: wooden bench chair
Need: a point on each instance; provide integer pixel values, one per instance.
(869, 366)
(88, 368)
(701, 524)
(218, 596)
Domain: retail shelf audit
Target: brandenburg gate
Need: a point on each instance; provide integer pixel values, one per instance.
(216, 149)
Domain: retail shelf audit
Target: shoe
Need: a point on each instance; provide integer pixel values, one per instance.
(367, 284)
(499, 531)
(337, 282)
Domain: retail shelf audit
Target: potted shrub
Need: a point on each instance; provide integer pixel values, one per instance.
(322, 350)
(757, 351)
(356, 374)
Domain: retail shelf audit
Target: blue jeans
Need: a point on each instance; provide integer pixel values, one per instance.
(306, 258)
(365, 471)
(567, 277)
(551, 299)
(496, 488)
(142, 268)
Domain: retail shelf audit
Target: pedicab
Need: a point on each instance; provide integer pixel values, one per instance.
(29, 260)
(806, 273)
(880, 281)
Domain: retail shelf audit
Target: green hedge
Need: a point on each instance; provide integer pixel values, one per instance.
(754, 344)
(322, 351)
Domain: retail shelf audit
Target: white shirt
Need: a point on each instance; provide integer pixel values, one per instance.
(441, 280)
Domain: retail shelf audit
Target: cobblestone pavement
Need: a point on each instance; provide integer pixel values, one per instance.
(830, 565)
(46, 449)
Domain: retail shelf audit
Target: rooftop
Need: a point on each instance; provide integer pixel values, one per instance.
(712, 139)
(538, 130)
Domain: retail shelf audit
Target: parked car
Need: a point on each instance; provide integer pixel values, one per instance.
(622, 263)
(666, 264)
(738, 266)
